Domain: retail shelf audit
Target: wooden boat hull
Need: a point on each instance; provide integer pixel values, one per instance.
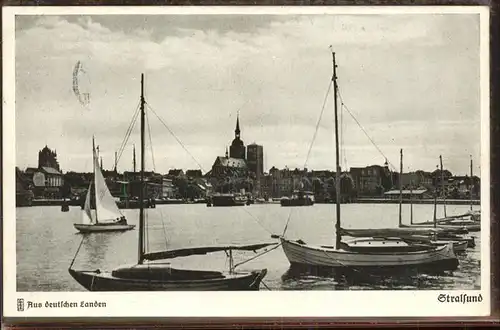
(105, 281)
(441, 257)
(102, 228)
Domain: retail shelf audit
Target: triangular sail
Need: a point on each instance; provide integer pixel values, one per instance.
(106, 208)
(87, 215)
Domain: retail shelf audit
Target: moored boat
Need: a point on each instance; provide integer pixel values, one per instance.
(228, 200)
(153, 272)
(376, 257)
(299, 198)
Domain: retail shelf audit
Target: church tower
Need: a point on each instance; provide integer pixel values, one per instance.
(237, 148)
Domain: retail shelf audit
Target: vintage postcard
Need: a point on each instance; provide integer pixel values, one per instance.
(246, 161)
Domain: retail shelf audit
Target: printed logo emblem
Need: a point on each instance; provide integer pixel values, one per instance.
(20, 304)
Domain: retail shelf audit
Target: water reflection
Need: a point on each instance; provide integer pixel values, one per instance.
(44, 268)
(319, 278)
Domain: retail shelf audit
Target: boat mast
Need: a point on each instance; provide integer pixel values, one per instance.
(134, 161)
(337, 164)
(400, 188)
(442, 185)
(141, 194)
(94, 157)
(411, 202)
(471, 183)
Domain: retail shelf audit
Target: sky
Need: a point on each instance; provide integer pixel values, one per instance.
(411, 81)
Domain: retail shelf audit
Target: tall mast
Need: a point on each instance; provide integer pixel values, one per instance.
(134, 161)
(471, 182)
(411, 202)
(141, 194)
(94, 160)
(400, 188)
(443, 195)
(116, 162)
(337, 157)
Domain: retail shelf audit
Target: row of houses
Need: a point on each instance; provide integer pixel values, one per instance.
(370, 181)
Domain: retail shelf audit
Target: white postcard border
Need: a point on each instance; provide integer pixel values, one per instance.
(263, 303)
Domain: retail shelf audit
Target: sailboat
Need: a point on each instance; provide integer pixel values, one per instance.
(469, 221)
(107, 216)
(149, 274)
(371, 253)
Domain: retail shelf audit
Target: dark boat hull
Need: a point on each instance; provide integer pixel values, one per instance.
(296, 202)
(105, 281)
(227, 201)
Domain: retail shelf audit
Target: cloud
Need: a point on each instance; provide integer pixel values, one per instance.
(402, 76)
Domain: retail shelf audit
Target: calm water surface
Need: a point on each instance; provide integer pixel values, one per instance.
(46, 242)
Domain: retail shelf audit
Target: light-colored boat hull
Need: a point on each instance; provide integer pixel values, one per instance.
(105, 281)
(458, 245)
(83, 228)
(318, 256)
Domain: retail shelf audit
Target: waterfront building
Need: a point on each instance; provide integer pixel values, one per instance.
(414, 180)
(225, 166)
(48, 158)
(176, 173)
(194, 174)
(255, 159)
(47, 182)
(24, 193)
(371, 180)
(407, 194)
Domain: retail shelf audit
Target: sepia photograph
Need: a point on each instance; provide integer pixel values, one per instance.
(236, 149)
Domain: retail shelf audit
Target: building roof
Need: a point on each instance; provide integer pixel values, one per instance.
(31, 170)
(50, 170)
(406, 192)
(176, 172)
(231, 162)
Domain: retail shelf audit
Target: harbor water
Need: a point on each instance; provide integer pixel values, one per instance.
(46, 242)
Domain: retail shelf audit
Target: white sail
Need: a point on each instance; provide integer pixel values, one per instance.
(87, 215)
(106, 209)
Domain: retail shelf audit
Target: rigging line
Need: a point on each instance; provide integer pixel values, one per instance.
(265, 285)
(317, 124)
(287, 221)
(256, 220)
(128, 133)
(151, 142)
(164, 229)
(130, 127)
(78, 250)
(342, 140)
(178, 140)
(256, 256)
(364, 131)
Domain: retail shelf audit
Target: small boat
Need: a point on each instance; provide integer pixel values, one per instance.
(299, 198)
(228, 200)
(153, 272)
(65, 207)
(346, 257)
(134, 204)
(107, 216)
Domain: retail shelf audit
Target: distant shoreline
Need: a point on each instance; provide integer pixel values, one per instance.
(58, 202)
(416, 201)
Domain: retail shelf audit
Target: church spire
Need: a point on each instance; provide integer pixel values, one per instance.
(227, 154)
(237, 130)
